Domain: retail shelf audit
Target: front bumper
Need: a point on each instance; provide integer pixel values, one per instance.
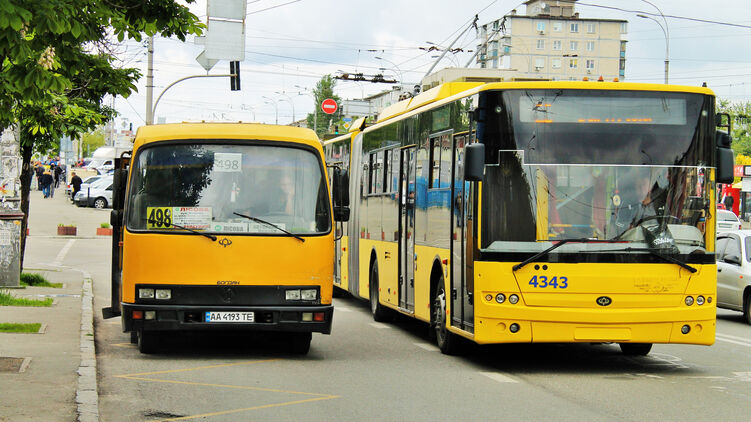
(191, 318)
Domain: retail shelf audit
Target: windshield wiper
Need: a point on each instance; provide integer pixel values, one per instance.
(210, 236)
(550, 249)
(258, 220)
(656, 252)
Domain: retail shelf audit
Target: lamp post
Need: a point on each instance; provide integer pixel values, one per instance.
(289, 100)
(665, 31)
(401, 76)
(315, 107)
(276, 108)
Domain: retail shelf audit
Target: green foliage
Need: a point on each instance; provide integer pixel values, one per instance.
(92, 139)
(105, 225)
(7, 299)
(9, 327)
(740, 116)
(325, 89)
(37, 280)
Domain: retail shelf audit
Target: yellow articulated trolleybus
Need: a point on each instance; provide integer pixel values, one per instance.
(223, 227)
(539, 212)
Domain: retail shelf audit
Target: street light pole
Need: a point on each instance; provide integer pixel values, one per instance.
(276, 108)
(665, 31)
(401, 76)
(315, 107)
(289, 100)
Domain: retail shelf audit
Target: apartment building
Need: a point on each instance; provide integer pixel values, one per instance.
(552, 42)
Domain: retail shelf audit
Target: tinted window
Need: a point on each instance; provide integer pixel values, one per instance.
(733, 247)
(720, 246)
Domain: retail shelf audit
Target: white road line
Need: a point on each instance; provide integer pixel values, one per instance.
(379, 325)
(427, 346)
(734, 337)
(495, 376)
(727, 340)
(64, 251)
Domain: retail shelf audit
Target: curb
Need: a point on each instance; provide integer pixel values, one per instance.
(87, 396)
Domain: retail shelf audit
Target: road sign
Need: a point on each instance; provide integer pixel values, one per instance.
(329, 106)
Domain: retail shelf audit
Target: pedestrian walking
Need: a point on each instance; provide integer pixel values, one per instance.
(58, 173)
(75, 181)
(47, 182)
(39, 170)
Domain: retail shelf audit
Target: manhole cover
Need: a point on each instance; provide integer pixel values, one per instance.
(12, 365)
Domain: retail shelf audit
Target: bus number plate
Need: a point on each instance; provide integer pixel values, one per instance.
(229, 316)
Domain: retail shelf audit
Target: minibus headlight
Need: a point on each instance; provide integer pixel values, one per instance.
(145, 293)
(163, 294)
(308, 294)
(292, 294)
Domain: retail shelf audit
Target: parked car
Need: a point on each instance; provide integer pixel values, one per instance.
(727, 220)
(733, 251)
(97, 194)
(84, 184)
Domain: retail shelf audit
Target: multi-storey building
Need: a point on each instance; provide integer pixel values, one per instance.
(553, 42)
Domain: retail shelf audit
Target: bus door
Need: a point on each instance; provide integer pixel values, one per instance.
(407, 205)
(461, 263)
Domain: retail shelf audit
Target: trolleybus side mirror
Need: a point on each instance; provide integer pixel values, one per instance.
(474, 162)
(725, 159)
(340, 194)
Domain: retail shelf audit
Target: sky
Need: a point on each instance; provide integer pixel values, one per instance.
(291, 44)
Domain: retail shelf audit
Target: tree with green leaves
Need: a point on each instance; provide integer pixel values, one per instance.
(740, 117)
(56, 65)
(92, 140)
(324, 89)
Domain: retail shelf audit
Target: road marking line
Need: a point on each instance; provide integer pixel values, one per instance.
(263, 406)
(734, 337)
(64, 251)
(495, 376)
(427, 346)
(727, 340)
(379, 325)
(224, 365)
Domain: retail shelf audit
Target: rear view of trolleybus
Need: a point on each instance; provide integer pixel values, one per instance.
(223, 227)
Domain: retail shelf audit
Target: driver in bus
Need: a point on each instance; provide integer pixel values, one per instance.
(647, 200)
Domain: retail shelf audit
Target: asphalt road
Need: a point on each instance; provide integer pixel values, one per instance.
(368, 371)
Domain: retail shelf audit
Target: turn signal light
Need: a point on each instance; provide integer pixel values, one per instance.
(319, 316)
(137, 314)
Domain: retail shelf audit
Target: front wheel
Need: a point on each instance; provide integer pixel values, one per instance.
(635, 349)
(300, 343)
(148, 341)
(747, 308)
(447, 341)
(100, 203)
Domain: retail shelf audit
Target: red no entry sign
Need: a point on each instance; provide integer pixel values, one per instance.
(329, 106)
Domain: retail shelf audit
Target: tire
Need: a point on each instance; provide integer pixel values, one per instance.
(447, 341)
(147, 341)
(747, 307)
(100, 203)
(380, 313)
(635, 349)
(300, 343)
(134, 337)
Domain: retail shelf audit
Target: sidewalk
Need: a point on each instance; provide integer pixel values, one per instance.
(51, 375)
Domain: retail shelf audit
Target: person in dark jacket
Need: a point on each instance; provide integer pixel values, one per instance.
(47, 182)
(75, 181)
(57, 174)
(39, 171)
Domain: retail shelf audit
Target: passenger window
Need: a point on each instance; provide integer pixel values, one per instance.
(720, 246)
(733, 247)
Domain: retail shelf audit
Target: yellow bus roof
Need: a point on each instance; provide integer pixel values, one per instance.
(188, 131)
(461, 89)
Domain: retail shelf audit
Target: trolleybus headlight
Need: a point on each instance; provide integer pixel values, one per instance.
(513, 299)
(292, 294)
(500, 298)
(699, 300)
(685, 329)
(145, 293)
(163, 294)
(689, 300)
(514, 327)
(308, 294)
(149, 315)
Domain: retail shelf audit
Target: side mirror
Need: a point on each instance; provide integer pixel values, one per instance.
(340, 188)
(474, 162)
(732, 259)
(341, 213)
(116, 218)
(119, 182)
(725, 163)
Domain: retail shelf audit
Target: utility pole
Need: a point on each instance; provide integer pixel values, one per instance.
(150, 81)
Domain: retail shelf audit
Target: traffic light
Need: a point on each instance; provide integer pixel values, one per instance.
(336, 129)
(234, 80)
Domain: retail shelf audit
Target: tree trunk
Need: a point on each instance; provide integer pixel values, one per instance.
(26, 172)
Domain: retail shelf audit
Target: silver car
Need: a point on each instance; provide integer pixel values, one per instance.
(733, 251)
(97, 194)
(727, 220)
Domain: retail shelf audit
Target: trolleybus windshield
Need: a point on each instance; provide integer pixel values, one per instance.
(204, 186)
(610, 165)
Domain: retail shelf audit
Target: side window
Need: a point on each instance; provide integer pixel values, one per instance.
(720, 245)
(733, 247)
(445, 179)
(435, 162)
(378, 188)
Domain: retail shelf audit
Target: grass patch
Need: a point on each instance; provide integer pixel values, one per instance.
(19, 328)
(7, 299)
(37, 280)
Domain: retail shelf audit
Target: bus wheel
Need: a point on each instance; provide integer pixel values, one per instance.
(134, 337)
(447, 341)
(380, 313)
(300, 343)
(635, 349)
(147, 341)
